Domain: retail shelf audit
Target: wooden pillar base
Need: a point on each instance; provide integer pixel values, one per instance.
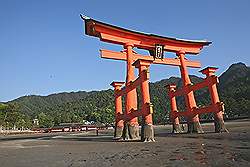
(130, 132)
(220, 126)
(133, 132)
(147, 133)
(177, 128)
(118, 135)
(194, 127)
(125, 132)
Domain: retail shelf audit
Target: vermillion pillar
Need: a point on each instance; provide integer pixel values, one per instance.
(119, 123)
(173, 117)
(218, 116)
(131, 97)
(147, 131)
(193, 119)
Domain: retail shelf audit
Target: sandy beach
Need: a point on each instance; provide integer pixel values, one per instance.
(87, 149)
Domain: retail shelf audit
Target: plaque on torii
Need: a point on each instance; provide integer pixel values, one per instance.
(156, 45)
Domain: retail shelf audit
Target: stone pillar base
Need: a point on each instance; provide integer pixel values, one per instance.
(177, 128)
(147, 133)
(118, 135)
(133, 132)
(194, 127)
(220, 126)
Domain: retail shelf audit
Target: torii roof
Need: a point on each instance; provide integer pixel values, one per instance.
(118, 35)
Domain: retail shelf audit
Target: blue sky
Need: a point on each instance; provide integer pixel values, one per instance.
(43, 48)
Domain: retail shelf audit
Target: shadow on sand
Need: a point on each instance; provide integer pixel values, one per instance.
(89, 138)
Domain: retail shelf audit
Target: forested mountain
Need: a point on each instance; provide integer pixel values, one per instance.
(234, 90)
(33, 104)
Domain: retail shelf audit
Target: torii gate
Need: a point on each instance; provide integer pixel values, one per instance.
(156, 45)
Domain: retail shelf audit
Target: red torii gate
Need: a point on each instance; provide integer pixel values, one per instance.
(129, 39)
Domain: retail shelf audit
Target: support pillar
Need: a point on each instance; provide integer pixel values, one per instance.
(131, 97)
(119, 123)
(174, 119)
(218, 116)
(147, 131)
(193, 119)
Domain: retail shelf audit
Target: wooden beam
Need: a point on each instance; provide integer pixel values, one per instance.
(132, 85)
(171, 47)
(136, 113)
(212, 108)
(148, 43)
(187, 89)
(107, 54)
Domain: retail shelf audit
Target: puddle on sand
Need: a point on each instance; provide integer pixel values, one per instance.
(197, 152)
(145, 150)
(243, 147)
(17, 146)
(178, 158)
(200, 155)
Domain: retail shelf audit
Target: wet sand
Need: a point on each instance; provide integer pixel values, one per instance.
(87, 149)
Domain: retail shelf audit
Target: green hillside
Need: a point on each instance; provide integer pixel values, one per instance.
(234, 89)
(98, 106)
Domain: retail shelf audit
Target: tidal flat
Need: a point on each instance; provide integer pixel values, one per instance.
(87, 149)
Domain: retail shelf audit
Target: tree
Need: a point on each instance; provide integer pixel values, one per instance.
(45, 121)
